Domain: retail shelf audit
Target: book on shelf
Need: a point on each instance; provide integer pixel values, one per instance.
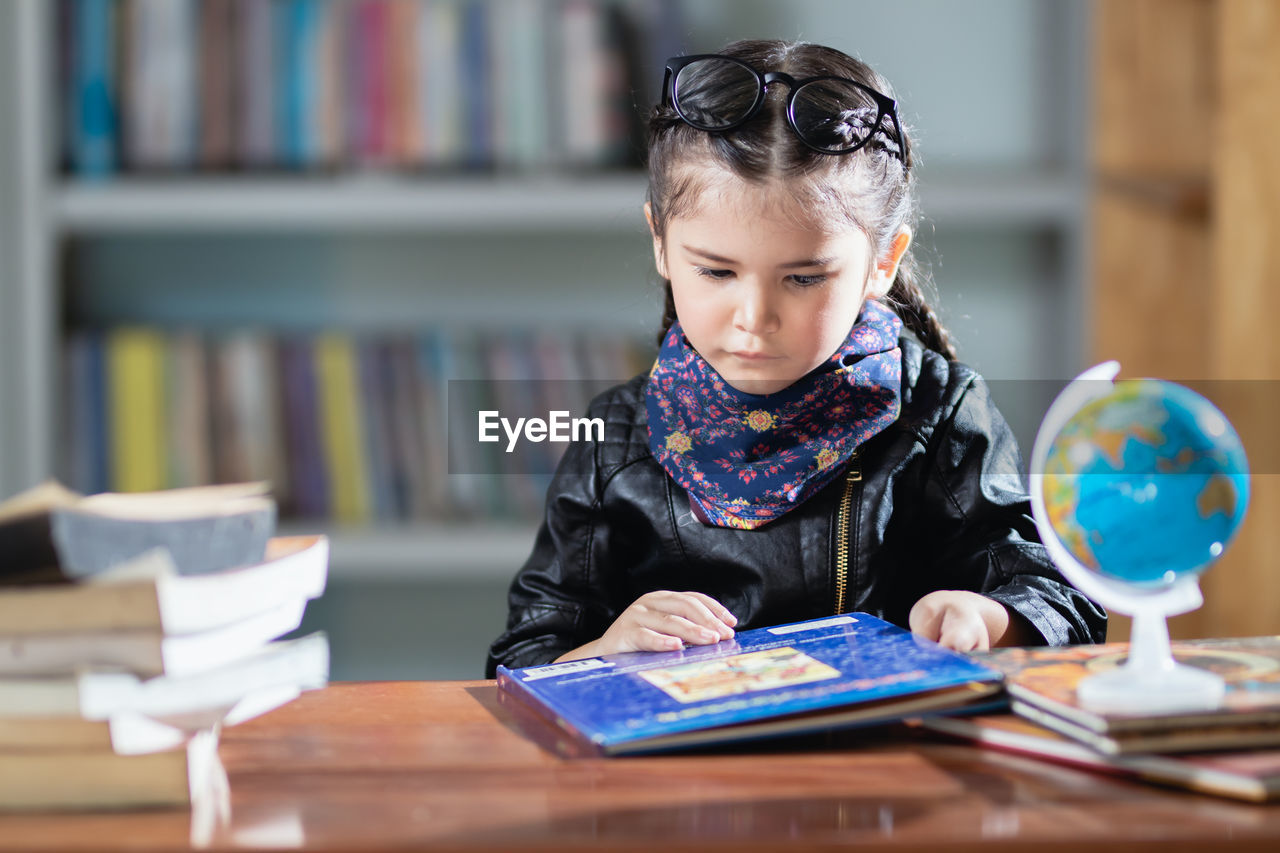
(353, 426)
(135, 363)
(1042, 686)
(90, 66)
(411, 426)
(67, 779)
(1247, 775)
(243, 414)
(376, 403)
(88, 458)
(848, 670)
(215, 96)
(313, 84)
(51, 533)
(343, 428)
(308, 472)
(189, 413)
(149, 594)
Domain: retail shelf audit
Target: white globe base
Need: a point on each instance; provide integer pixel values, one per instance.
(1151, 681)
(1175, 690)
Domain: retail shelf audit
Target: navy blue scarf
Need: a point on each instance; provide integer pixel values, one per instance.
(745, 459)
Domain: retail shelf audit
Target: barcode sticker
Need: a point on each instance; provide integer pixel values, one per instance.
(811, 626)
(561, 668)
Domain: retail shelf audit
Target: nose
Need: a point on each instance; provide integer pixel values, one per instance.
(755, 312)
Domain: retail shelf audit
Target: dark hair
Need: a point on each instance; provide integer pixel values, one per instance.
(874, 187)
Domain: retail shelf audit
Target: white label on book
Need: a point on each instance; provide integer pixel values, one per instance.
(568, 666)
(813, 626)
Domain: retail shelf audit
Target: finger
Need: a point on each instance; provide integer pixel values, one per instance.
(675, 625)
(924, 621)
(719, 610)
(648, 640)
(692, 608)
(962, 633)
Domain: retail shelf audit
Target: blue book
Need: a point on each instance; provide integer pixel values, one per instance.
(284, 83)
(308, 472)
(99, 424)
(375, 396)
(86, 441)
(477, 80)
(853, 669)
(95, 89)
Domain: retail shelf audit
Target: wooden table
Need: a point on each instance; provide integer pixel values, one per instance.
(441, 766)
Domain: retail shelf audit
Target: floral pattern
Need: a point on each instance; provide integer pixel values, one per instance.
(678, 442)
(827, 457)
(745, 459)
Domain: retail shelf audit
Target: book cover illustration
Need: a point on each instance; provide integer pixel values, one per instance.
(797, 676)
(1047, 678)
(713, 679)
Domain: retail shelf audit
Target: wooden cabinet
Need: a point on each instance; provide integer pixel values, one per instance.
(1186, 244)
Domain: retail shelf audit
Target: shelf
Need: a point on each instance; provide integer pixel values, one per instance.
(384, 203)
(428, 552)
(351, 203)
(1007, 199)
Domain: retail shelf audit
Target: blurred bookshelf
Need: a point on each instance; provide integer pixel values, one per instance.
(391, 553)
(128, 237)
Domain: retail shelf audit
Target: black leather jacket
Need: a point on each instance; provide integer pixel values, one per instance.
(935, 501)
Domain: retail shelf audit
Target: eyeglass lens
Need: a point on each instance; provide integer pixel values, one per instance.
(834, 114)
(713, 94)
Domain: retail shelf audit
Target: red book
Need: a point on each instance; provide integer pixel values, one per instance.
(369, 29)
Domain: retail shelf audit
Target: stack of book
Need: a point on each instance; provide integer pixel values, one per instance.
(133, 627)
(1233, 751)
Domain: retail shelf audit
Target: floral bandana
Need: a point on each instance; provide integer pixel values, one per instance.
(745, 459)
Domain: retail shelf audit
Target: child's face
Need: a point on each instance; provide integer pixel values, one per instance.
(762, 293)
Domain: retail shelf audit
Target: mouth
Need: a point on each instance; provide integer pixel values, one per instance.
(745, 355)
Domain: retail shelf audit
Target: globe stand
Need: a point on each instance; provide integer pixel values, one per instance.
(1150, 681)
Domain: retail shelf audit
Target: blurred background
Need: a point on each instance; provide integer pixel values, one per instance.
(257, 238)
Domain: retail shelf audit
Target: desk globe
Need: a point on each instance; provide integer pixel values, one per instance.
(1137, 486)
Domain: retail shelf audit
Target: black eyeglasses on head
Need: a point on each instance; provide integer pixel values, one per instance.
(832, 115)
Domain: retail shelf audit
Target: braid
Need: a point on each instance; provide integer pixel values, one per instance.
(668, 311)
(908, 298)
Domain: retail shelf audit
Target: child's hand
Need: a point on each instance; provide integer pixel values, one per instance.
(662, 621)
(960, 620)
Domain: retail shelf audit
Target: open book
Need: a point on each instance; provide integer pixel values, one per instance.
(810, 676)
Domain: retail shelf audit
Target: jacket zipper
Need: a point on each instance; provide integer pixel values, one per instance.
(842, 531)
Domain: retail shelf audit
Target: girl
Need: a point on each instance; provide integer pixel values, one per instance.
(792, 453)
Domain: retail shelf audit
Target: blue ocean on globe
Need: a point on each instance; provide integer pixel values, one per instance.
(1146, 483)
